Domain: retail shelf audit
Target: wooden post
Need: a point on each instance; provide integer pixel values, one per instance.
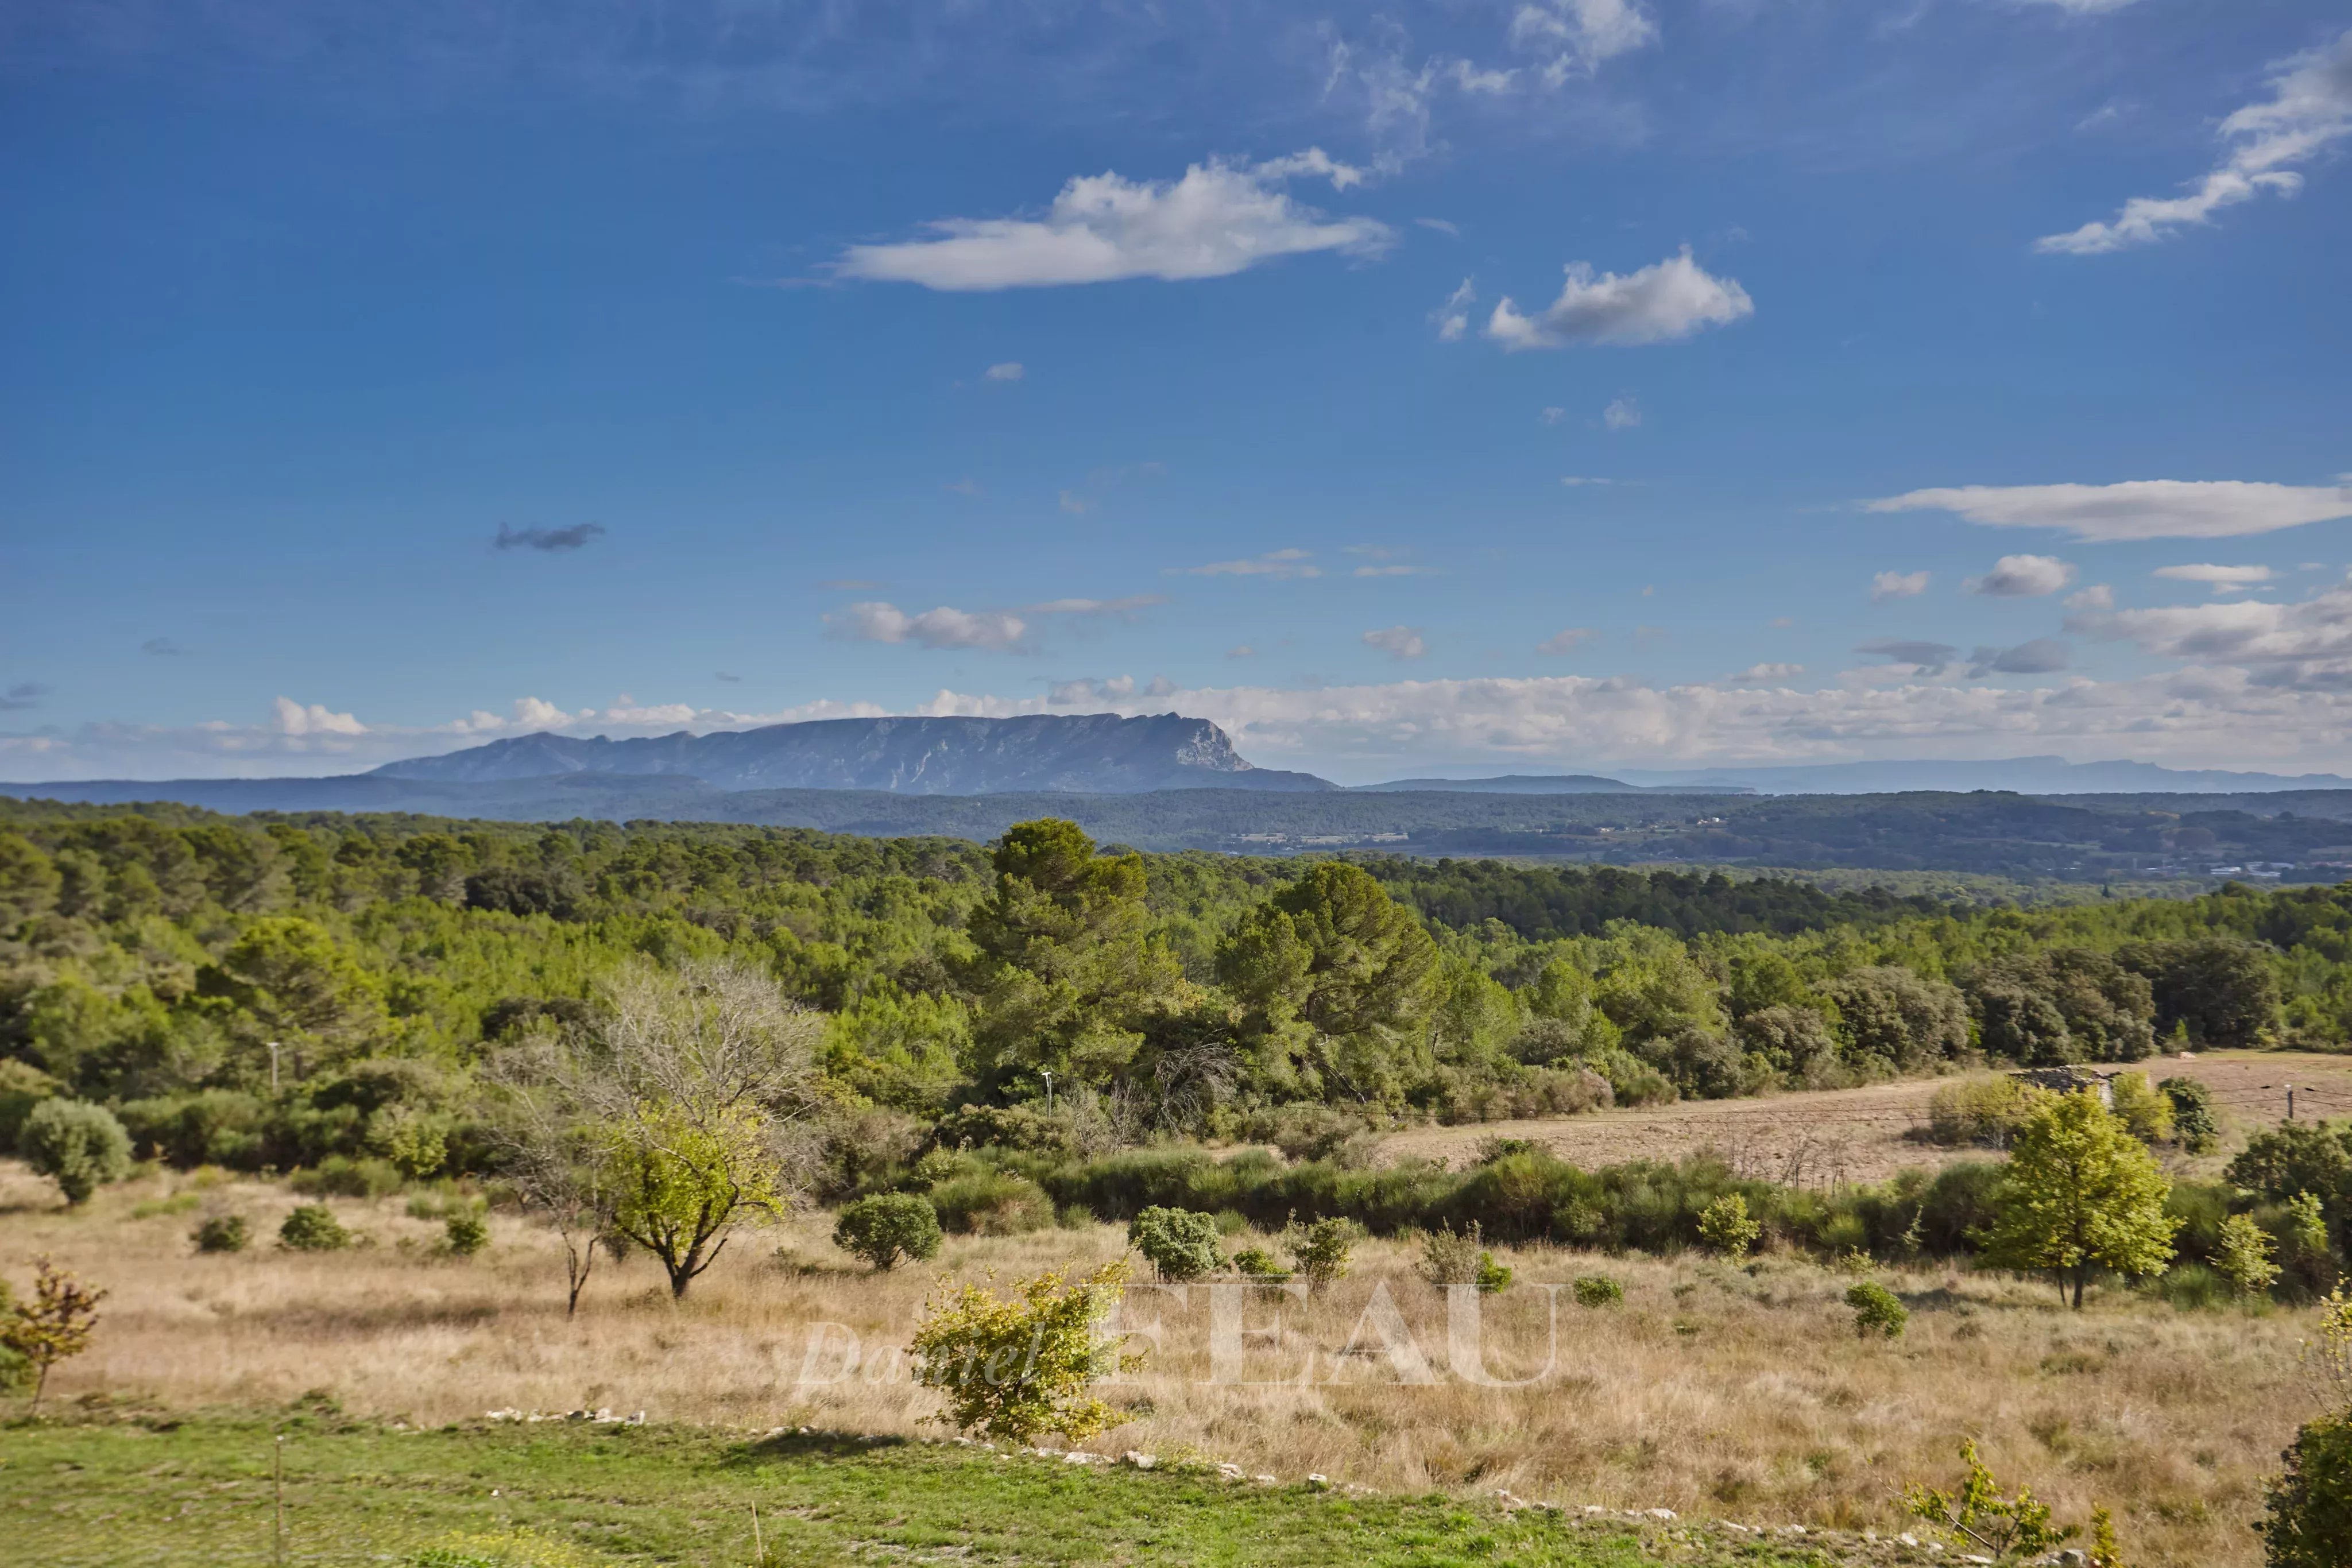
(277, 1499)
(758, 1547)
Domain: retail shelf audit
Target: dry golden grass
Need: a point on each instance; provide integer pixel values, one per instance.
(1835, 1136)
(1715, 1391)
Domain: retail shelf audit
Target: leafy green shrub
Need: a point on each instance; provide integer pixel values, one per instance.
(2193, 1120)
(1307, 1131)
(313, 1228)
(221, 1233)
(1597, 1290)
(2244, 1257)
(991, 1203)
(1320, 1251)
(1876, 1310)
(2194, 1288)
(1179, 1243)
(2308, 1519)
(2146, 1114)
(21, 1087)
(1015, 1367)
(887, 1227)
(1725, 1226)
(78, 1145)
(465, 1234)
(1980, 1111)
(339, 1175)
(1452, 1258)
(1024, 1128)
(1257, 1263)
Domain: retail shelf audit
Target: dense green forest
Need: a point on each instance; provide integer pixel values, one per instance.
(1986, 832)
(151, 959)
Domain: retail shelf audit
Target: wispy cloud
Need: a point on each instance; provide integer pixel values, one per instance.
(2310, 107)
(2226, 579)
(1928, 658)
(2041, 656)
(1567, 640)
(983, 630)
(2136, 509)
(1889, 585)
(1578, 35)
(1280, 563)
(23, 694)
(1622, 414)
(1219, 219)
(1398, 642)
(570, 539)
(1010, 371)
(1452, 319)
(1766, 675)
(1667, 300)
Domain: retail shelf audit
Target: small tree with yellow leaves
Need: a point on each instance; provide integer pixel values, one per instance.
(2002, 1527)
(54, 1325)
(1012, 1367)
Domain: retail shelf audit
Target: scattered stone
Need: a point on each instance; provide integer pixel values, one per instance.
(1592, 1508)
(1320, 1483)
(1232, 1472)
(1265, 1481)
(1909, 1538)
(1664, 1513)
(1139, 1461)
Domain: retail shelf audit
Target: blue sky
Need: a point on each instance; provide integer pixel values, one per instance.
(1447, 387)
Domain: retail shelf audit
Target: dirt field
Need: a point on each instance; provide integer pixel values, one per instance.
(1864, 1134)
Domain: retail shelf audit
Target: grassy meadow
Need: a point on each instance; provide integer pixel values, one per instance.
(1729, 1393)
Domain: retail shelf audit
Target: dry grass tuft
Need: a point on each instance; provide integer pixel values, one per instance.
(1737, 1394)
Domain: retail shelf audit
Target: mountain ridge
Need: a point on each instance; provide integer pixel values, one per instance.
(1047, 753)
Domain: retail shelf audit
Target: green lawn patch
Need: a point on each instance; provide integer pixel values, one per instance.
(162, 1493)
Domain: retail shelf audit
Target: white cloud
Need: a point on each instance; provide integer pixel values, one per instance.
(2305, 644)
(1577, 481)
(2022, 577)
(1490, 83)
(1665, 300)
(1242, 652)
(1441, 225)
(2228, 579)
(1074, 503)
(2310, 107)
(2098, 596)
(1578, 35)
(2088, 7)
(1397, 641)
(2136, 509)
(1567, 640)
(1889, 585)
(294, 718)
(1395, 570)
(993, 630)
(1763, 675)
(1010, 371)
(1280, 563)
(1221, 218)
(1453, 317)
(1622, 414)
(1553, 415)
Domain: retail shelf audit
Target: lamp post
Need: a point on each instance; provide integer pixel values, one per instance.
(1048, 1077)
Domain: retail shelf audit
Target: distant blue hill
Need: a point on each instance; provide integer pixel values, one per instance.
(2025, 775)
(1080, 754)
(1530, 784)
